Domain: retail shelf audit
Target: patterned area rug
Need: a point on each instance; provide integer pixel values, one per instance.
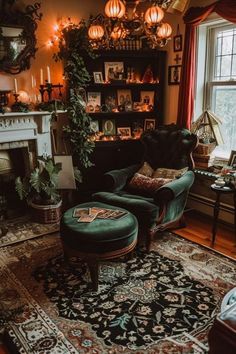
(21, 229)
(161, 302)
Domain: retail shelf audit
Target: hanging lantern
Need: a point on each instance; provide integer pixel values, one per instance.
(164, 30)
(95, 32)
(153, 15)
(115, 9)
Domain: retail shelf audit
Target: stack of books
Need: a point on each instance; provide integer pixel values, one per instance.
(203, 161)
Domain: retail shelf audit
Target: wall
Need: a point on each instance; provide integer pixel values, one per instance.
(52, 11)
(75, 9)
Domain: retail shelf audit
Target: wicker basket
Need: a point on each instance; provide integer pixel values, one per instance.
(46, 214)
(205, 149)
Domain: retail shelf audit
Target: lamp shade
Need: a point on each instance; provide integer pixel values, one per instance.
(164, 30)
(115, 9)
(153, 15)
(95, 32)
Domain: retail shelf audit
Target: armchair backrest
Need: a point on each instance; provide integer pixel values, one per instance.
(169, 146)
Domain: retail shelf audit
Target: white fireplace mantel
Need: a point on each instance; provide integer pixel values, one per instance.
(16, 127)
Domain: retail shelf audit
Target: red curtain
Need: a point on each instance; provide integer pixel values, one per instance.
(193, 17)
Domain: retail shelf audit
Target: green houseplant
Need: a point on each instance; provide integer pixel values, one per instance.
(40, 190)
(73, 45)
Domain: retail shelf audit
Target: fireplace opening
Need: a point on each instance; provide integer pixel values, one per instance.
(14, 162)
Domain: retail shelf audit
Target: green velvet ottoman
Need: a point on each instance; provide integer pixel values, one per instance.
(101, 239)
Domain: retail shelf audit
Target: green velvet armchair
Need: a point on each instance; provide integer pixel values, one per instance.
(166, 147)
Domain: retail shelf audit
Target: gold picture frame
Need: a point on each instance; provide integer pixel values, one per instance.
(124, 132)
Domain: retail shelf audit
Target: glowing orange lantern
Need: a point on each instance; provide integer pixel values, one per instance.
(153, 15)
(115, 9)
(164, 31)
(95, 32)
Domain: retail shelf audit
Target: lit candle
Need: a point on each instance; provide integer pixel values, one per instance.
(41, 76)
(15, 84)
(32, 81)
(49, 75)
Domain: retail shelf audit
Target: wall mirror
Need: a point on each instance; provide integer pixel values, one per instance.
(17, 35)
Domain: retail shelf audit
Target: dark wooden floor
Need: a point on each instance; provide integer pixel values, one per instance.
(199, 228)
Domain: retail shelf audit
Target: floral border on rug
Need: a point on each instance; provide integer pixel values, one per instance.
(133, 289)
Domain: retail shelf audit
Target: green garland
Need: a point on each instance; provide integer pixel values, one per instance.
(73, 46)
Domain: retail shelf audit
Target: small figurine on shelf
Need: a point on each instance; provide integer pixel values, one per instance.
(148, 75)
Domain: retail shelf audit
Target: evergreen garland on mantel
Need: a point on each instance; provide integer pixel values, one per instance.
(73, 46)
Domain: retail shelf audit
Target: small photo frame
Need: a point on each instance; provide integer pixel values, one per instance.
(114, 70)
(94, 126)
(93, 102)
(124, 96)
(174, 72)
(232, 159)
(98, 77)
(177, 43)
(147, 97)
(108, 126)
(124, 132)
(149, 124)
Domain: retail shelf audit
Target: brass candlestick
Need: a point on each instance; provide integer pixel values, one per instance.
(48, 87)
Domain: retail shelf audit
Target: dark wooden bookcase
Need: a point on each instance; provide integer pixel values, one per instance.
(110, 155)
(139, 60)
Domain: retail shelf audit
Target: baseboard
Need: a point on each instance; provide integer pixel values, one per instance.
(206, 206)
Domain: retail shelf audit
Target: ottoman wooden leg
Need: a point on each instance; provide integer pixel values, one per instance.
(94, 270)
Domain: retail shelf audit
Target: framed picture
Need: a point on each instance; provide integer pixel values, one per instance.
(98, 78)
(66, 177)
(111, 101)
(93, 101)
(174, 72)
(108, 127)
(125, 132)
(149, 124)
(232, 159)
(147, 97)
(123, 96)
(177, 43)
(114, 70)
(94, 125)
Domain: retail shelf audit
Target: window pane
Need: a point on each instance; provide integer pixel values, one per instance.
(224, 106)
(227, 43)
(234, 66)
(217, 68)
(224, 55)
(219, 45)
(226, 67)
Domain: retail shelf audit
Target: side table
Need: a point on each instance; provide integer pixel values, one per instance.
(221, 190)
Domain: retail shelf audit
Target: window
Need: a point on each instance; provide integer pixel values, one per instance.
(216, 79)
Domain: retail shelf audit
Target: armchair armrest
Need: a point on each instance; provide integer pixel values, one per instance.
(171, 190)
(115, 180)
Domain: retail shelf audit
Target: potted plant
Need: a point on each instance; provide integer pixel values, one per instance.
(40, 191)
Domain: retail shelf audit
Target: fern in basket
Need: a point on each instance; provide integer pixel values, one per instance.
(41, 186)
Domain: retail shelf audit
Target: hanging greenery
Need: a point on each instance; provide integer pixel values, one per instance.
(73, 46)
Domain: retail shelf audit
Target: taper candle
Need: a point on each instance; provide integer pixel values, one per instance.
(32, 81)
(15, 85)
(48, 74)
(41, 76)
